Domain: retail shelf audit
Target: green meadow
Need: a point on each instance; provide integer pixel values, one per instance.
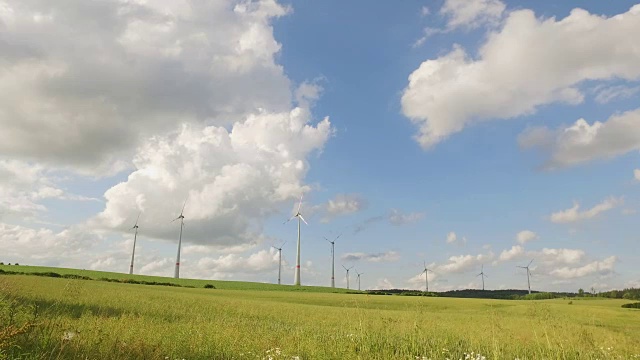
(59, 318)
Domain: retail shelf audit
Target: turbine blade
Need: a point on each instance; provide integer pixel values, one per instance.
(138, 218)
(291, 218)
(530, 263)
(337, 237)
(485, 276)
(300, 203)
(345, 267)
(303, 220)
(185, 204)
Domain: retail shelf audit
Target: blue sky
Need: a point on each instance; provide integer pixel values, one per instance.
(481, 159)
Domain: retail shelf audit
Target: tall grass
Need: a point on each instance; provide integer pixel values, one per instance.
(71, 318)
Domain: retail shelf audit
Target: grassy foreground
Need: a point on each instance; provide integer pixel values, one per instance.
(55, 318)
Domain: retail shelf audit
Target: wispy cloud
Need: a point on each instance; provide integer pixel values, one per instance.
(525, 236)
(452, 238)
(396, 217)
(574, 214)
(619, 92)
(388, 256)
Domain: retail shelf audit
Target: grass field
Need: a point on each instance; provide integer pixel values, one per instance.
(56, 318)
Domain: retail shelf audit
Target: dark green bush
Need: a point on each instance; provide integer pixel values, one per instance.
(209, 286)
(74, 276)
(632, 305)
(48, 274)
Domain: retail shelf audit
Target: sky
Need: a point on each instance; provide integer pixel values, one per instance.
(453, 134)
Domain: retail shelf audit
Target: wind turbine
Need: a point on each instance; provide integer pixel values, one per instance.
(528, 274)
(483, 276)
(298, 215)
(347, 274)
(426, 276)
(333, 258)
(359, 279)
(176, 274)
(135, 237)
(279, 259)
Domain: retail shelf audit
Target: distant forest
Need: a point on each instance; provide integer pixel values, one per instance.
(512, 294)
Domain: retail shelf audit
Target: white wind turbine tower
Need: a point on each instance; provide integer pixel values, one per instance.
(426, 276)
(298, 215)
(347, 274)
(333, 258)
(135, 238)
(483, 276)
(359, 278)
(176, 274)
(528, 274)
(279, 260)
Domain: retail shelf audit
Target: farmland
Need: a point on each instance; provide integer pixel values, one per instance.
(52, 318)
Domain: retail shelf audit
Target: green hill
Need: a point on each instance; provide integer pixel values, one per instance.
(159, 280)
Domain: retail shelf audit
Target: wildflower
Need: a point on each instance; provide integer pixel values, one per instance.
(68, 335)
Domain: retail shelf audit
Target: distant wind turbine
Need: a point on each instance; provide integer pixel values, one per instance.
(483, 276)
(279, 260)
(181, 217)
(333, 258)
(359, 278)
(347, 274)
(298, 215)
(426, 277)
(528, 274)
(135, 238)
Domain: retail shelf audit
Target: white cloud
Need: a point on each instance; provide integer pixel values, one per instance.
(388, 256)
(23, 185)
(233, 179)
(525, 236)
(419, 282)
(44, 246)
(383, 284)
(84, 93)
(462, 263)
(520, 68)
(258, 262)
(618, 92)
(574, 214)
(602, 268)
(396, 217)
(452, 238)
(471, 14)
(464, 14)
(308, 93)
(582, 142)
(558, 256)
(344, 204)
(636, 174)
(516, 252)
